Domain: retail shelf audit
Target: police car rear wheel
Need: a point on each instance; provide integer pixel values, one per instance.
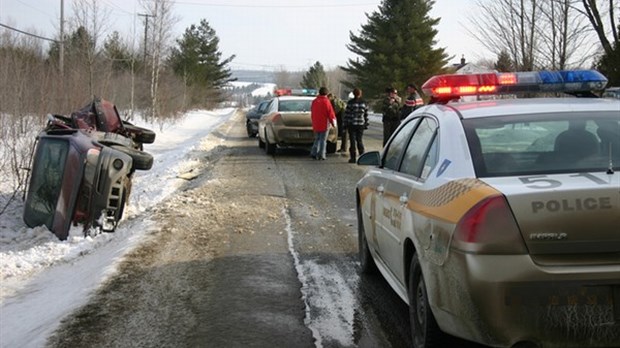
(269, 147)
(424, 329)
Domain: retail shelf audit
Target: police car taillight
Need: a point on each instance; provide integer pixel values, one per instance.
(454, 86)
(489, 228)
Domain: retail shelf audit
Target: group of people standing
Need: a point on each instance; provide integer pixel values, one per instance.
(394, 111)
(351, 118)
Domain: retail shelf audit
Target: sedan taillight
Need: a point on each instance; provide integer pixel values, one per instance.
(277, 118)
(489, 228)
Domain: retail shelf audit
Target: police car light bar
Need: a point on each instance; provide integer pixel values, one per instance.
(296, 91)
(448, 87)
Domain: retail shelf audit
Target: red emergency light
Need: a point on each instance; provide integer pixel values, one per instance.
(454, 86)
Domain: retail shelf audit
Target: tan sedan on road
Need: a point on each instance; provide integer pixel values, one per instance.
(287, 122)
(498, 221)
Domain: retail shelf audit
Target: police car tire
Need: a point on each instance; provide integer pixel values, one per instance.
(141, 160)
(261, 143)
(367, 263)
(269, 147)
(424, 329)
(251, 134)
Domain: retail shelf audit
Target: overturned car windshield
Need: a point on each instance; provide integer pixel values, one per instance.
(46, 182)
(506, 146)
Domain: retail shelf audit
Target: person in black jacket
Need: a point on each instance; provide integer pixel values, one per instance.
(391, 113)
(356, 120)
(412, 102)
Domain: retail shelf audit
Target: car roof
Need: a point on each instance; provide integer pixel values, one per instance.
(504, 107)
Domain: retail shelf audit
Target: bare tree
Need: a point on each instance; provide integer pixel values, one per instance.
(335, 78)
(91, 16)
(509, 26)
(163, 21)
(591, 9)
(565, 39)
(537, 34)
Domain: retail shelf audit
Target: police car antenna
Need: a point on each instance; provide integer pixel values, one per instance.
(610, 170)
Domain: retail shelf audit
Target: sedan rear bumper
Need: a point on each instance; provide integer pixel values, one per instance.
(514, 300)
(301, 136)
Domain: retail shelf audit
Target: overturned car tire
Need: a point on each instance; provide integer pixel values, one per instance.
(141, 160)
(141, 135)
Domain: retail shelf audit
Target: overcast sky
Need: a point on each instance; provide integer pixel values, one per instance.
(264, 35)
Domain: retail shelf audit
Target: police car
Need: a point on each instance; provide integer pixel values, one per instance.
(498, 220)
(287, 122)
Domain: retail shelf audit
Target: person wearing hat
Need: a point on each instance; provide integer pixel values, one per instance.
(391, 113)
(412, 102)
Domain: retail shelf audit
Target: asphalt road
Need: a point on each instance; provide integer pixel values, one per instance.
(256, 251)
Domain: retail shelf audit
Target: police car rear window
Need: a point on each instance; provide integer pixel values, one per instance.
(302, 105)
(541, 144)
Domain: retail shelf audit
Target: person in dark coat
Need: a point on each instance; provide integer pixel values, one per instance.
(391, 113)
(412, 102)
(356, 120)
(323, 116)
(339, 105)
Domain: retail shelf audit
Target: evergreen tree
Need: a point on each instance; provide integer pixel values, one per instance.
(77, 46)
(395, 47)
(117, 52)
(197, 58)
(315, 77)
(504, 63)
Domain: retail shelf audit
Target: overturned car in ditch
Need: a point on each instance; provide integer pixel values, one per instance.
(82, 169)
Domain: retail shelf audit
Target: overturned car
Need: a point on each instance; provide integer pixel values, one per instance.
(82, 169)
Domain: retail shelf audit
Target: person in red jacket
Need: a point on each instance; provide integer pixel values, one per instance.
(323, 117)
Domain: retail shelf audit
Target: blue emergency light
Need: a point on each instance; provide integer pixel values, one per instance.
(454, 86)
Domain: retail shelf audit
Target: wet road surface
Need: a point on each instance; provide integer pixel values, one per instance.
(257, 251)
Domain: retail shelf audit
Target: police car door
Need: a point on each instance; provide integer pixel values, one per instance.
(419, 156)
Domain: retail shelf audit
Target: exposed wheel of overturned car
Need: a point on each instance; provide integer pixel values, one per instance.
(141, 160)
(141, 135)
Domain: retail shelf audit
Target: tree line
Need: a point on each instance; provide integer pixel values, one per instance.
(163, 76)
(158, 78)
(397, 45)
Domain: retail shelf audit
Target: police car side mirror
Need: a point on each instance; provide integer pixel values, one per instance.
(372, 158)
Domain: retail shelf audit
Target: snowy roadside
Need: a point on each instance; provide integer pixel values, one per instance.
(27, 252)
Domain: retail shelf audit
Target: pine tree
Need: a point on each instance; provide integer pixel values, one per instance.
(315, 77)
(395, 47)
(504, 63)
(117, 52)
(197, 58)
